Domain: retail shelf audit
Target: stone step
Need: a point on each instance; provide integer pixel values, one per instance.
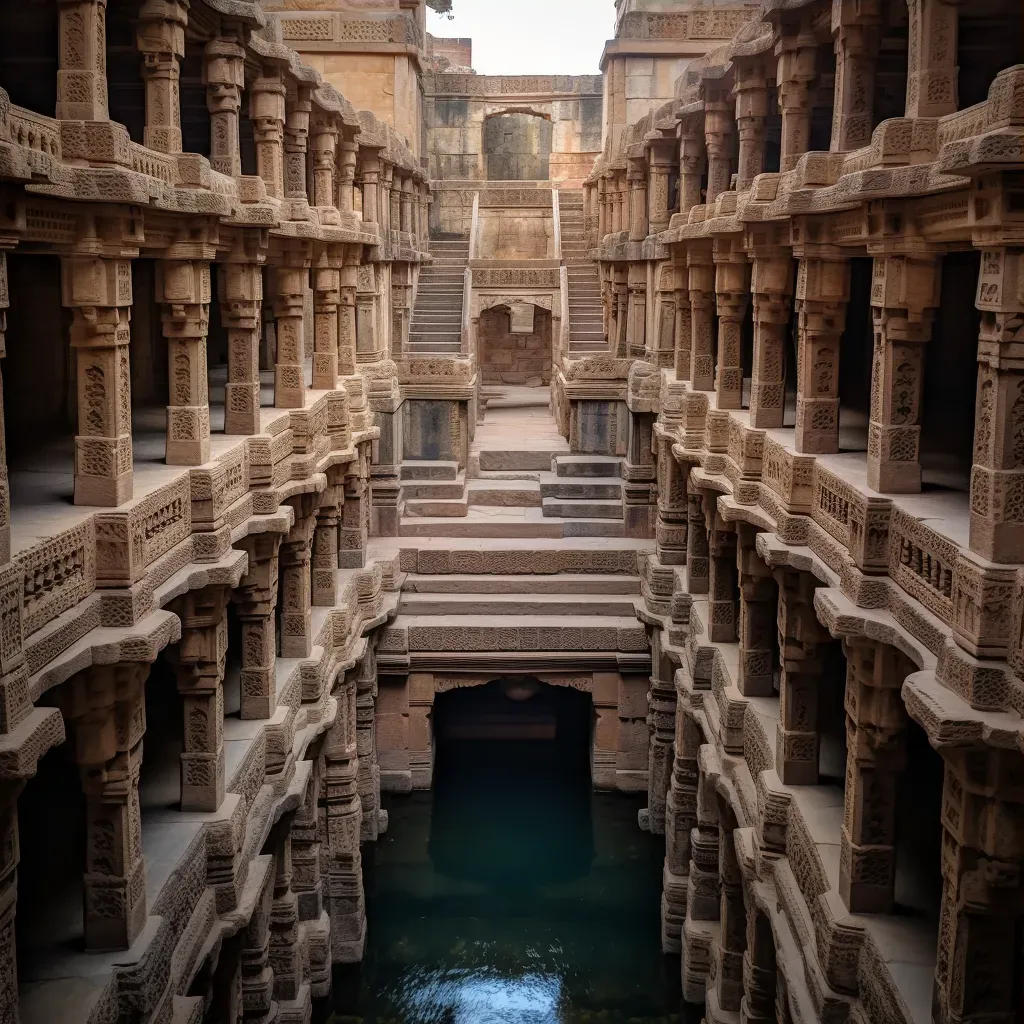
(560, 605)
(504, 459)
(560, 583)
(586, 347)
(504, 494)
(588, 465)
(444, 508)
(508, 526)
(429, 469)
(435, 489)
(572, 508)
(582, 489)
(436, 349)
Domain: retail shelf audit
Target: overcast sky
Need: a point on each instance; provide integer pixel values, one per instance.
(531, 37)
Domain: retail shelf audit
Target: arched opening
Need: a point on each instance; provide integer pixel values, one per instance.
(515, 345)
(517, 146)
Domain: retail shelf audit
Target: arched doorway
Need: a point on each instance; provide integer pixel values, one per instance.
(514, 345)
(517, 146)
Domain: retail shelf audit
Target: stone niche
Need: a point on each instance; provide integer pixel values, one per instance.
(520, 357)
(435, 430)
(599, 427)
(517, 147)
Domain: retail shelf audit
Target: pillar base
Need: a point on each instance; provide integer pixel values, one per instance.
(242, 409)
(108, 491)
(894, 477)
(187, 453)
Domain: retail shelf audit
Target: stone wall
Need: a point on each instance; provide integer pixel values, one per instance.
(507, 358)
(517, 147)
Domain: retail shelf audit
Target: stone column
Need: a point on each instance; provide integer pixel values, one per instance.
(325, 157)
(374, 820)
(760, 971)
(369, 340)
(875, 756)
(267, 111)
(5, 487)
(620, 301)
(160, 38)
(224, 78)
(977, 965)
(296, 580)
(751, 92)
(393, 206)
(326, 301)
(369, 176)
(347, 310)
(698, 567)
(931, 58)
(296, 144)
(856, 26)
(355, 515)
(637, 180)
(671, 526)
(758, 614)
(258, 1006)
(256, 601)
(10, 789)
(822, 291)
(284, 917)
(800, 634)
(326, 540)
(200, 667)
(347, 152)
(691, 164)
(290, 280)
(658, 213)
(732, 943)
(183, 289)
(680, 820)
(405, 206)
(661, 703)
(997, 527)
(904, 299)
(82, 68)
(106, 709)
(683, 326)
(99, 292)
(343, 814)
(636, 316)
(771, 283)
(602, 208)
(797, 53)
(723, 588)
(704, 884)
(701, 266)
(732, 285)
(240, 288)
(719, 121)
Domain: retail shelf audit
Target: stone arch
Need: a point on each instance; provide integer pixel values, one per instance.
(514, 345)
(517, 145)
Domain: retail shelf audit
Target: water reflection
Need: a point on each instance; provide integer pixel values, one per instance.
(512, 894)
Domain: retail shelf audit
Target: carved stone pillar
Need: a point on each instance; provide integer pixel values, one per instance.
(680, 821)
(256, 601)
(106, 709)
(99, 292)
(224, 78)
(160, 39)
(875, 756)
(698, 568)
(760, 971)
(346, 176)
(701, 266)
(658, 213)
(683, 326)
(326, 540)
(326, 301)
(370, 340)
(285, 958)
(620, 302)
(977, 968)
(324, 146)
(343, 814)
(200, 667)
(258, 1006)
(289, 311)
(771, 283)
(797, 53)
(10, 789)
(636, 317)
(602, 208)
(183, 289)
(637, 182)
(997, 527)
(856, 31)
(822, 291)
(932, 58)
(82, 70)
(671, 527)
(703, 882)
(661, 703)
(732, 943)
(374, 821)
(392, 183)
(349, 281)
(691, 163)
(5, 487)
(800, 635)
(758, 614)
(732, 284)
(296, 144)
(405, 206)
(751, 92)
(904, 299)
(307, 879)
(267, 111)
(719, 121)
(723, 587)
(369, 176)
(296, 580)
(240, 288)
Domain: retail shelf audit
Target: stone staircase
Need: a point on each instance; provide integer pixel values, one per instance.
(586, 318)
(437, 317)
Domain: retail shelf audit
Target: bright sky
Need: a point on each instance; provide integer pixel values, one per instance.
(530, 37)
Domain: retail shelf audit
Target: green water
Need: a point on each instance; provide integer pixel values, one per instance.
(512, 894)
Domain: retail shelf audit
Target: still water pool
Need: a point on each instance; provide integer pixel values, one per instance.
(512, 894)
